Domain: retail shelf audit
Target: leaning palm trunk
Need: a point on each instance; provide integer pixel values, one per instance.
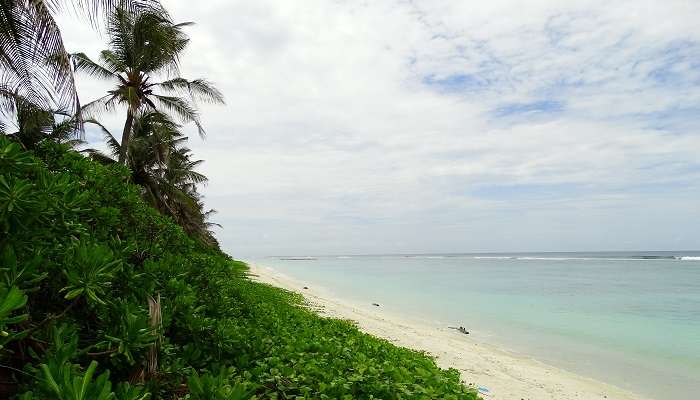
(155, 320)
(126, 134)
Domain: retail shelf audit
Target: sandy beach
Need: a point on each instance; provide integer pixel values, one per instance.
(504, 374)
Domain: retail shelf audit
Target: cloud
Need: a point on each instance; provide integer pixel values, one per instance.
(528, 110)
(409, 126)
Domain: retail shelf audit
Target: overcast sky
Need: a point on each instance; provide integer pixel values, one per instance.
(355, 127)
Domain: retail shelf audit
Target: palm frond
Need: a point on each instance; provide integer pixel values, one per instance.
(96, 10)
(33, 59)
(67, 131)
(97, 107)
(198, 89)
(112, 61)
(182, 109)
(207, 215)
(83, 63)
(112, 143)
(99, 156)
(146, 40)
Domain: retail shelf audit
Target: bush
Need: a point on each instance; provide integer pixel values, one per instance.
(101, 297)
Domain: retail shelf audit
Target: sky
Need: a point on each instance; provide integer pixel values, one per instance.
(374, 127)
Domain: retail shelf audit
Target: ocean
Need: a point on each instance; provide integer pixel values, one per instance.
(631, 319)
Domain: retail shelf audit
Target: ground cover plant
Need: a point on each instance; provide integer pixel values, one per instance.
(103, 297)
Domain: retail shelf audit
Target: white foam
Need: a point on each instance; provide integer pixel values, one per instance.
(582, 258)
(438, 257)
(492, 258)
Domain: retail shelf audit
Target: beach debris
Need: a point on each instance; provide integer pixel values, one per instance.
(375, 304)
(484, 391)
(461, 329)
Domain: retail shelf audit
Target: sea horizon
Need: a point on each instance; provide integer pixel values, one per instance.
(617, 254)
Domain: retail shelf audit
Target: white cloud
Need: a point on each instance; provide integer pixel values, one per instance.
(356, 127)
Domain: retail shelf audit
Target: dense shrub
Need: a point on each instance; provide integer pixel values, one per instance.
(101, 297)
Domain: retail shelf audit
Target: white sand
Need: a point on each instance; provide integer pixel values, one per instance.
(507, 376)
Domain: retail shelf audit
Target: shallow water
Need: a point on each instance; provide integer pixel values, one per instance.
(630, 319)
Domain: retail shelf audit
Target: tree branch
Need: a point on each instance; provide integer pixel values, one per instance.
(101, 353)
(52, 317)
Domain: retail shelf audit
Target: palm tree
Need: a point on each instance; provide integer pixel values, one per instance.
(145, 44)
(185, 201)
(163, 167)
(33, 59)
(35, 124)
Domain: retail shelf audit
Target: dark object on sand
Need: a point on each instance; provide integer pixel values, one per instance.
(461, 329)
(306, 287)
(375, 304)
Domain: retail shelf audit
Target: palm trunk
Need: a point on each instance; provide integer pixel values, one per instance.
(124, 148)
(155, 320)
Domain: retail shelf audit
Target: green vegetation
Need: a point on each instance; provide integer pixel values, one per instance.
(163, 167)
(83, 260)
(112, 286)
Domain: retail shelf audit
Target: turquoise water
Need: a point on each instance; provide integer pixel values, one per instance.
(630, 319)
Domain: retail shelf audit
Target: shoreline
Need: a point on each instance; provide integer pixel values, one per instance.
(505, 374)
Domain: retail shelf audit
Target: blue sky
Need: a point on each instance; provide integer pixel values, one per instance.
(452, 126)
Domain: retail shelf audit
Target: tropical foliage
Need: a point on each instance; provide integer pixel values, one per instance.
(84, 259)
(163, 167)
(111, 286)
(33, 59)
(144, 43)
(34, 62)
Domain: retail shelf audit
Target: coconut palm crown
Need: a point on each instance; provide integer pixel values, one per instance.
(144, 45)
